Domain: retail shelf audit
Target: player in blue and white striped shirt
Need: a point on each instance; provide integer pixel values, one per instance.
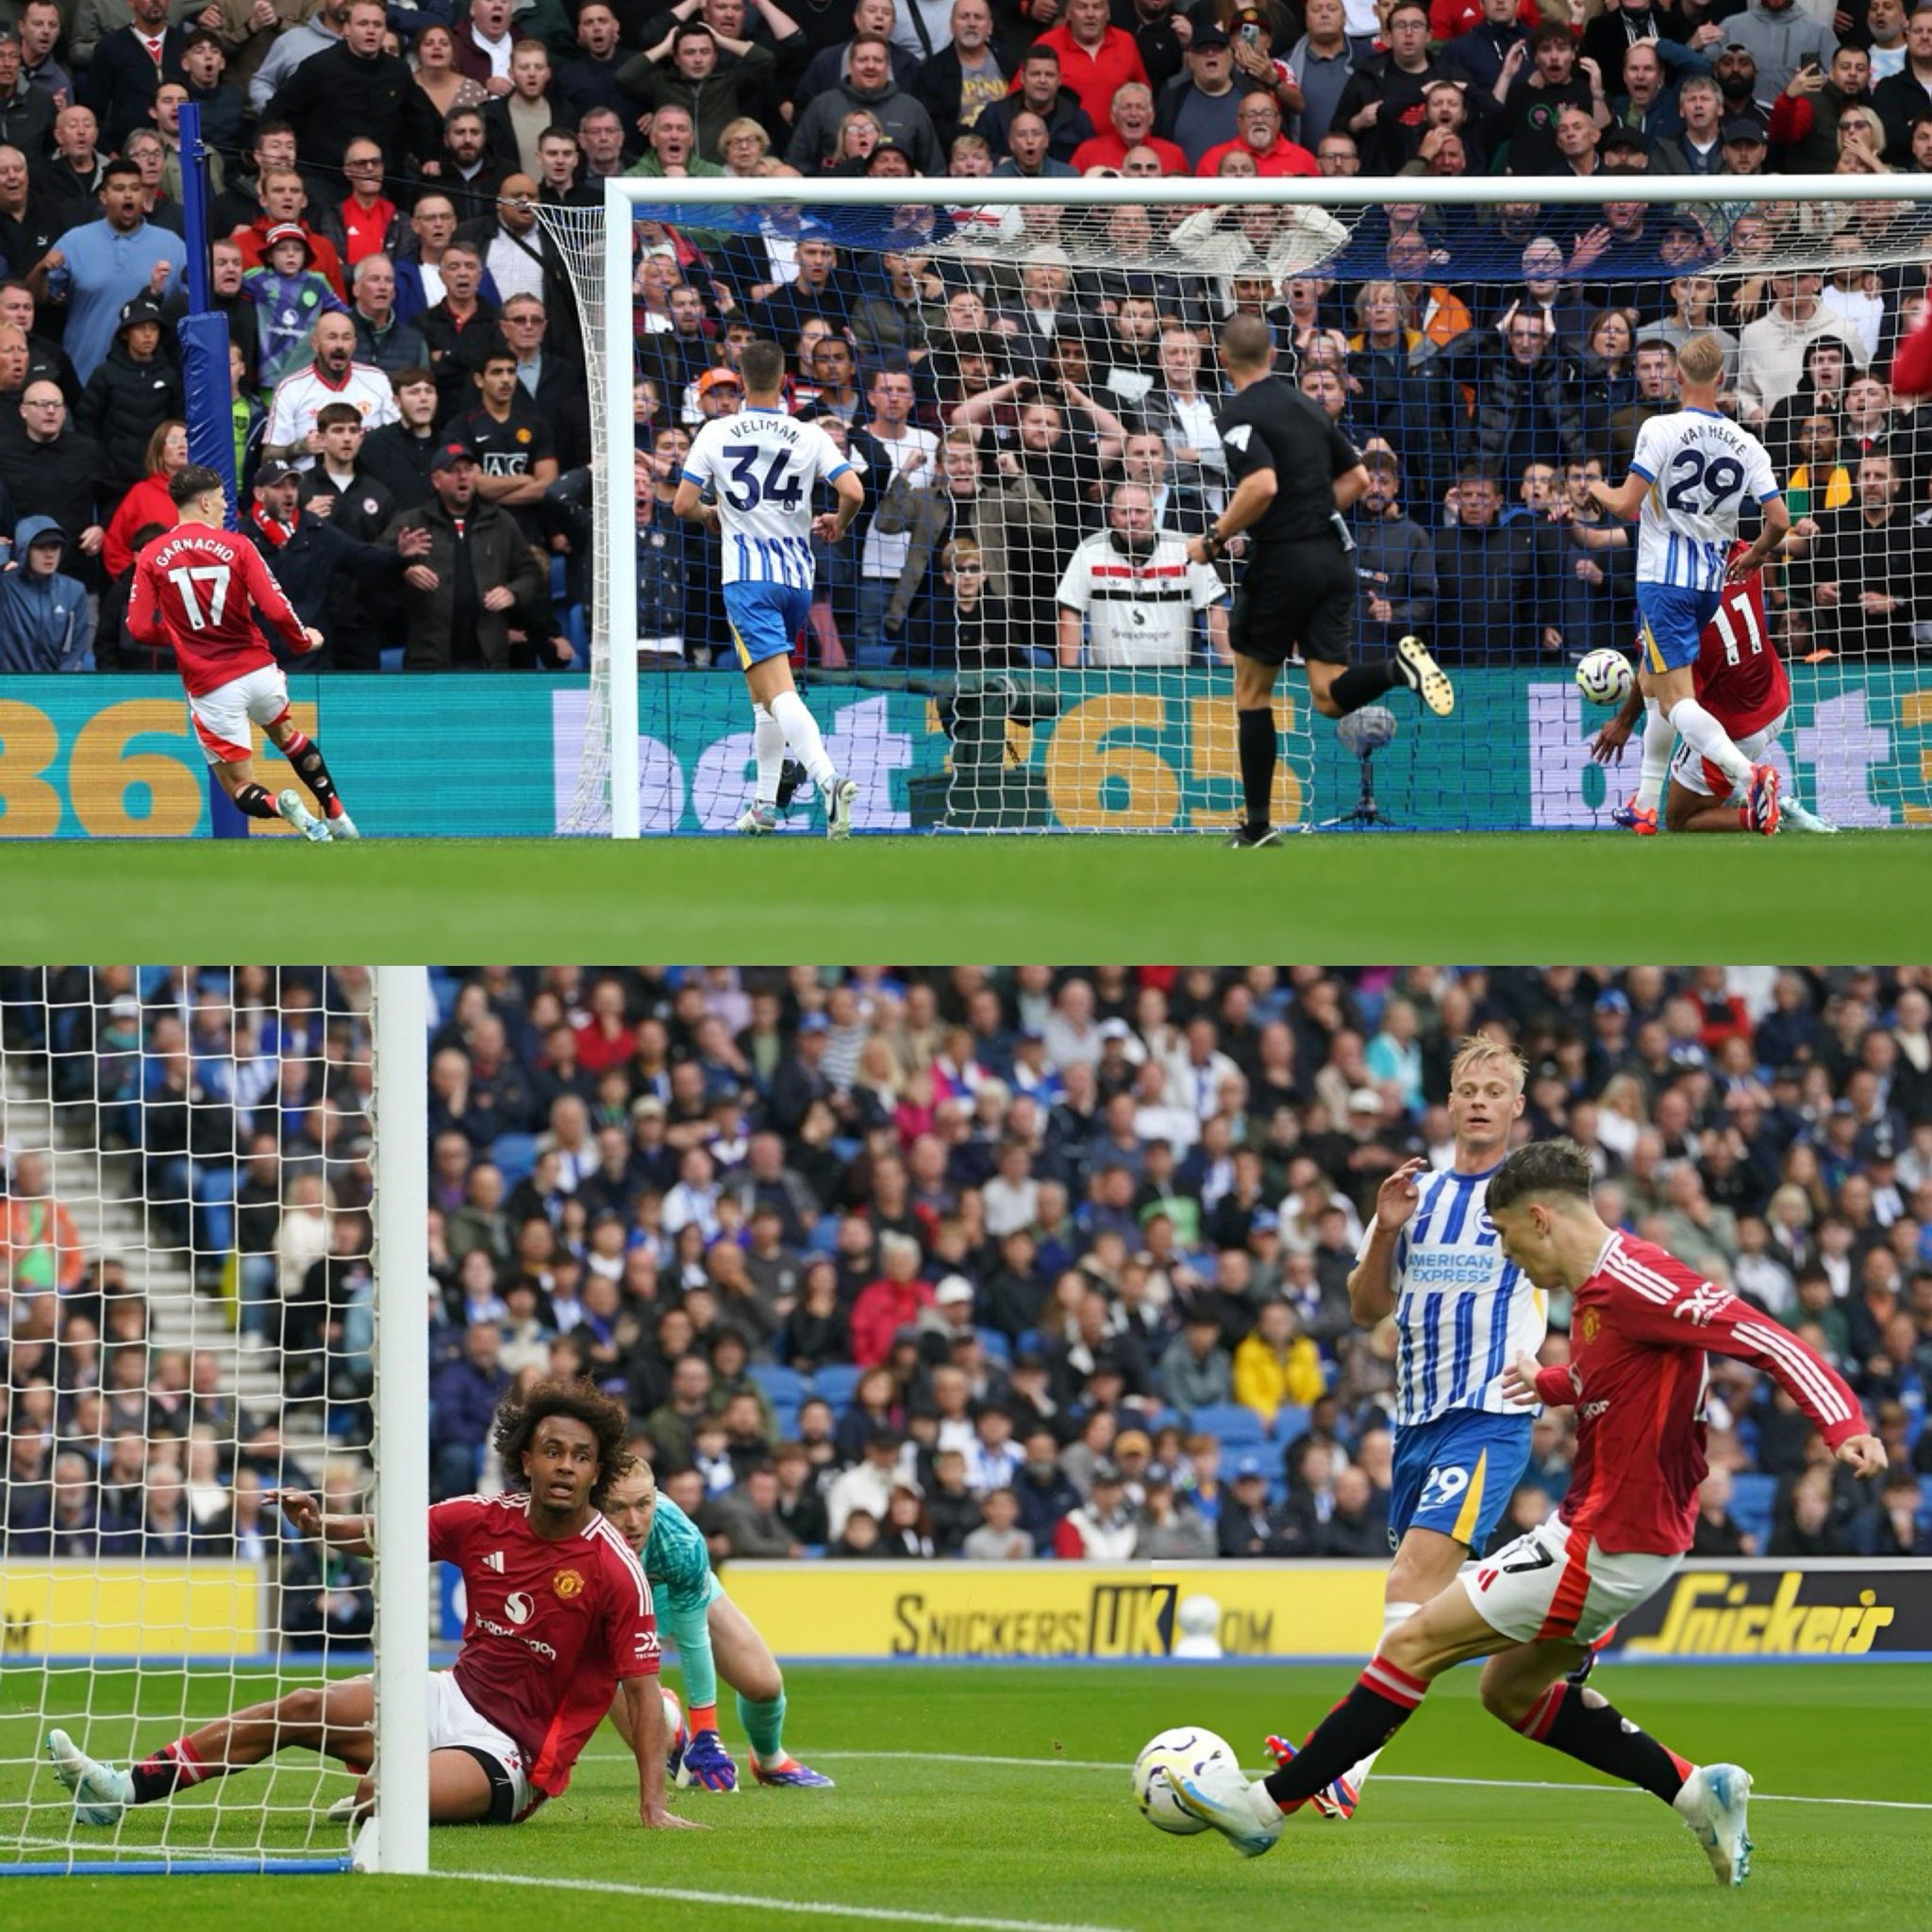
(1691, 473)
(1463, 1314)
(763, 465)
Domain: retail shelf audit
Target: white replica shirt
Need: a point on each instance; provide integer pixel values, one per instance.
(1139, 610)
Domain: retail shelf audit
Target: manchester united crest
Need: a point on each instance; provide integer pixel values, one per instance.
(567, 1584)
(1591, 1323)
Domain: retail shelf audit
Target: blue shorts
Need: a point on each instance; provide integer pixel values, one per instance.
(1673, 620)
(766, 620)
(1454, 1474)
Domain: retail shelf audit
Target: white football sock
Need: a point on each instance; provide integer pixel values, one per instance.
(1659, 736)
(1709, 739)
(802, 734)
(767, 748)
(1393, 1614)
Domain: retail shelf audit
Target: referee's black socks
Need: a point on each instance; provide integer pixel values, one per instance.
(1256, 740)
(1362, 684)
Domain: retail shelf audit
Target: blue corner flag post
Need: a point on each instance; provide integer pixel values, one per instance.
(204, 333)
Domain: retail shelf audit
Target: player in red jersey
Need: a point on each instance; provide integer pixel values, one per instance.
(1740, 680)
(199, 589)
(1641, 1326)
(559, 1620)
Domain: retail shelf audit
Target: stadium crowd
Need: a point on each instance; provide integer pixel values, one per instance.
(965, 1263)
(407, 352)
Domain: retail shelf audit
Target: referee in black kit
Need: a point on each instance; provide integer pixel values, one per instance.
(1295, 474)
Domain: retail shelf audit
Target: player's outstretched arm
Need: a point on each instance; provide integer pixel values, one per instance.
(1777, 527)
(645, 1728)
(353, 1534)
(832, 525)
(1372, 1280)
(1626, 499)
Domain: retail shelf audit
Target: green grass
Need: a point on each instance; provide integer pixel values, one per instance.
(1505, 898)
(1055, 1843)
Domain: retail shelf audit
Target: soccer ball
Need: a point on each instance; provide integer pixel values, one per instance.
(1185, 1752)
(676, 1736)
(1605, 677)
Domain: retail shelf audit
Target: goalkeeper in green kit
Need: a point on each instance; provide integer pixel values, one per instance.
(714, 1638)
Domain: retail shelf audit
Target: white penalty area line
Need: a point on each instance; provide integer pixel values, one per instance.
(824, 1909)
(1393, 1778)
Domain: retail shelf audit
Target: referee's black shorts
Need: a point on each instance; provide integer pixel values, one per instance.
(1300, 594)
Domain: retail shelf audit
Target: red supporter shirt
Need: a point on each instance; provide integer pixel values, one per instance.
(1094, 75)
(1108, 149)
(553, 1626)
(199, 590)
(1285, 158)
(1641, 1326)
(1740, 677)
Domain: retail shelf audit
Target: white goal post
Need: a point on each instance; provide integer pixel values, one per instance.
(213, 1193)
(1147, 749)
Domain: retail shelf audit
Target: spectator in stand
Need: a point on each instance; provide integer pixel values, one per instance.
(464, 597)
(94, 272)
(128, 66)
(132, 394)
(1042, 92)
(1258, 132)
(1102, 1528)
(1382, 104)
(463, 1397)
(56, 468)
(869, 84)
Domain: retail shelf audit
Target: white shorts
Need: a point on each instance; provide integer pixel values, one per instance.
(1691, 770)
(222, 715)
(454, 1726)
(1539, 1588)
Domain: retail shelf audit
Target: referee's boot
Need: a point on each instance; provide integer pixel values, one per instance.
(1425, 677)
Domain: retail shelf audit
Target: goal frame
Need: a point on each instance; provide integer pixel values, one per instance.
(623, 194)
(397, 1840)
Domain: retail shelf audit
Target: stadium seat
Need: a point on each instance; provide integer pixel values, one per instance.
(835, 1383)
(783, 1387)
(516, 1154)
(785, 1420)
(1925, 1498)
(1237, 1428)
(995, 1345)
(1290, 1422)
(1751, 1497)
(824, 1235)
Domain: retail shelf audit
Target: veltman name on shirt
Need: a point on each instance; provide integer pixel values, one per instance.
(1427, 1268)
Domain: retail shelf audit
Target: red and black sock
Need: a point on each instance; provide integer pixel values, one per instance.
(175, 1767)
(1362, 684)
(1256, 740)
(256, 802)
(1372, 1713)
(1599, 1736)
(311, 767)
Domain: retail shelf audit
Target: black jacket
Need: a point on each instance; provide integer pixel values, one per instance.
(123, 404)
(337, 96)
(399, 461)
(59, 478)
(122, 82)
(499, 555)
(310, 564)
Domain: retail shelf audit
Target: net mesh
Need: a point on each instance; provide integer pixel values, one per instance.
(1060, 355)
(189, 1324)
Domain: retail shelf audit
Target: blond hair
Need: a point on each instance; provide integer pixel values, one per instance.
(1701, 361)
(1477, 1048)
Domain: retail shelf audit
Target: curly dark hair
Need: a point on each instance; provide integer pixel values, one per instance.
(607, 1419)
(1541, 1167)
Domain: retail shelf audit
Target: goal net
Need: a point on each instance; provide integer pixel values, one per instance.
(205, 1225)
(1012, 638)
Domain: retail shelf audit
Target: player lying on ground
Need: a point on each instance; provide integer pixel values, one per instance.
(1642, 1323)
(199, 590)
(1296, 475)
(560, 1618)
(763, 465)
(714, 1638)
(1740, 680)
(1463, 1313)
(1688, 477)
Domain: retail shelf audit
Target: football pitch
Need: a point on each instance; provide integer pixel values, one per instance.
(997, 1797)
(1397, 898)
